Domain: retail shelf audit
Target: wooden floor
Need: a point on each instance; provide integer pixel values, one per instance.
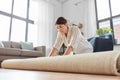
(7, 74)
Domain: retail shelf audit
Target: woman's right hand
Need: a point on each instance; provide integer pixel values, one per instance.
(52, 52)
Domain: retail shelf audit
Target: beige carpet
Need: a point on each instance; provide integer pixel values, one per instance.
(95, 63)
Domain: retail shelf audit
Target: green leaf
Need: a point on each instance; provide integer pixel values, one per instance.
(104, 30)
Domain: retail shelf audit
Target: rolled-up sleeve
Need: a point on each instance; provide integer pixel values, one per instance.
(58, 42)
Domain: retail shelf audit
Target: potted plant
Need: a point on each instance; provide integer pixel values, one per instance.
(104, 30)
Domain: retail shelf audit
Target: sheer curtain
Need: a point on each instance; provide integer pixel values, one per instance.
(82, 11)
(45, 25)
(89, 17)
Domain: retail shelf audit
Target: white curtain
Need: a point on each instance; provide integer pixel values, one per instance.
(89, 17)
(45, 25)
(82, 11)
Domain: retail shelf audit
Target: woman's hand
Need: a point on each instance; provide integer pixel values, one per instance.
(52, 52)
(68, 50)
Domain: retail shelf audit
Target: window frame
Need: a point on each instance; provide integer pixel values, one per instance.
(109, 18)
(11, 15)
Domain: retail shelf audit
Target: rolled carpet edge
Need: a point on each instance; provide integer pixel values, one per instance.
(118, 64)
(93, 63)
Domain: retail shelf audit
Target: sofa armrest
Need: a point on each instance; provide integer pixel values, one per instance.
(41, 48)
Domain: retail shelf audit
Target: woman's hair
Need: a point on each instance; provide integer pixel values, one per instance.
(61, 20)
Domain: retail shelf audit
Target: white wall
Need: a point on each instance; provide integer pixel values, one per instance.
(57, 13)
(83, 12)
(72, 12)
(48, 12)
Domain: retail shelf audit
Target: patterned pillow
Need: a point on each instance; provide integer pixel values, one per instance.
(27, 45)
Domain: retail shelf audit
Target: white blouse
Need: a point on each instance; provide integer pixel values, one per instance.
(75, 39)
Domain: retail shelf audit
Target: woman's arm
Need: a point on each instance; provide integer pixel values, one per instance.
(68, 50)
(73, 43)
(52, 52)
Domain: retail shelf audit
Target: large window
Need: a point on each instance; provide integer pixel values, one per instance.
(17, 21)
(108, 15)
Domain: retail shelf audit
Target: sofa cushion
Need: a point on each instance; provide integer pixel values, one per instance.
(29, 53)
(7, 44)
(102, 43)
(15, 45)
(27, 45)
(10, 51)
(1, 45)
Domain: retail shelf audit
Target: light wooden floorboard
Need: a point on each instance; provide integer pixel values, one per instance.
(9, 74)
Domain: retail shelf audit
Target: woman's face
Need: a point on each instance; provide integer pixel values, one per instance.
(62, 28)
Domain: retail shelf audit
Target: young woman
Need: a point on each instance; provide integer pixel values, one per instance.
(71, 37)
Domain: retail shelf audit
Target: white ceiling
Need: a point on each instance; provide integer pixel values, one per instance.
(62, 1)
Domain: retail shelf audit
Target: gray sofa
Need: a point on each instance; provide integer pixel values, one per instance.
(13, 50)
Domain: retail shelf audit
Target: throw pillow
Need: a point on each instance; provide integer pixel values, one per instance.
(27, 45)
(1, 45)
